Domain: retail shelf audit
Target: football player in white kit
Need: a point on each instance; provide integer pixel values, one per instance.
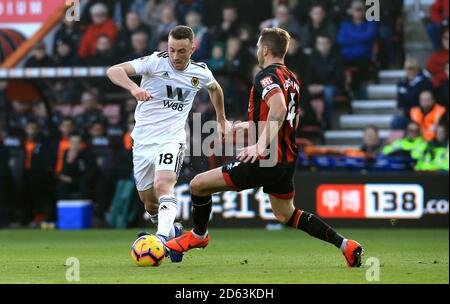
(170, 81)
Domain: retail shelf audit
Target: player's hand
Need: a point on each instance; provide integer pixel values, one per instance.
(140, 94)
(241, 126)
(250, 154)
(224, 127)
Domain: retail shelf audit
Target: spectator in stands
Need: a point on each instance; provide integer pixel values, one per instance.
(325, 74)
(444, 90)
(194, 21)
(104, 53)
(133, 24)
(124, 169)
(101, 26)
(435, 156)
(253, 16)
(389, 32)
(78, 171)
(356, 38)
(338, 10)
(70, 33)
(295, 59)
(86, 15)
(439, 21)
(91, 111)
(163, 44)
(237, 62)
(36, 176)
(65, 55)
(139, 46)
(409, 89)
(66, 128)
(167, 21)
(428, 115)
(39, 57)
(18, 116)
(283, 19)
(183, 7)
(318, 24)
(99, 145)
(436, 63)
(217, 61)
(372, 143)
(411, 145)
(153, 11)
(229, 25)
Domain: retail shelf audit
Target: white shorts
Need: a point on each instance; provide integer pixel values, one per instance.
(147, 159)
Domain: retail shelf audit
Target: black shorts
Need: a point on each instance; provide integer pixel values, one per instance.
(277, 181)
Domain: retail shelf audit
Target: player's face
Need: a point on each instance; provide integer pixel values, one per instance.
(260, 54)
(180, 52)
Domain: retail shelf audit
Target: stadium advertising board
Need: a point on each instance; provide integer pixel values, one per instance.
(358, 200)
(26, 16)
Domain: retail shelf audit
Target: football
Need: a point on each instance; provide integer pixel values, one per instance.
(147, 251)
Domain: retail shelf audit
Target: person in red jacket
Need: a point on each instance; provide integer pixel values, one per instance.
(101, 26)
(439, 20)
(436, 63)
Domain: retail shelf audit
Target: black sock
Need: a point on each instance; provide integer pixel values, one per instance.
(315, 227)
(201, 210)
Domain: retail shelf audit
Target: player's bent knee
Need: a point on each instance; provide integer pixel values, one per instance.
(163, 188)
(197, 186)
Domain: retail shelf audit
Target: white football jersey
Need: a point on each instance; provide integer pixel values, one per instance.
(162, 119)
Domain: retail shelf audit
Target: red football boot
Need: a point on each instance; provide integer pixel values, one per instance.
(186, 242)
(353, 253)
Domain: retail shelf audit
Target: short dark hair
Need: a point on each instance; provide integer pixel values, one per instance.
(181, 32)
(277, 40)
(372, 127)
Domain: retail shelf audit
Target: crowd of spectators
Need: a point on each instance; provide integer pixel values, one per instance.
(71, 146)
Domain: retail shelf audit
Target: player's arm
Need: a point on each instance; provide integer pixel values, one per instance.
(119, 75)
(275, 119)
(217, 98)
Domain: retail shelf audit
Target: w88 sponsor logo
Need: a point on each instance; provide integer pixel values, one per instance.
(176, 106)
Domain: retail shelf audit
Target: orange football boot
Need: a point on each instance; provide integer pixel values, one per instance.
(187, 242)
(353, 253)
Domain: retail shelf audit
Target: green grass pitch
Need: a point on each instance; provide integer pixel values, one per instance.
(233, 256)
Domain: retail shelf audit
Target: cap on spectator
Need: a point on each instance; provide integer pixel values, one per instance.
(98, 9)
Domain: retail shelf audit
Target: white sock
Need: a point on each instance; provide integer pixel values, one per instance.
(344, 245)
(167, 213)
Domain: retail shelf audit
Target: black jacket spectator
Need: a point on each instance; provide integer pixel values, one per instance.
(70, 33)
(39, 58)
(133, 24)
(408, 91)
(328, 71)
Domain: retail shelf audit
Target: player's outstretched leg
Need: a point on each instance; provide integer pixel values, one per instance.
(167, 210)
(286, 213)
(202, 187)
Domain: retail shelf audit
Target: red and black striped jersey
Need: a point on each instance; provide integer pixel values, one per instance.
(276, 78)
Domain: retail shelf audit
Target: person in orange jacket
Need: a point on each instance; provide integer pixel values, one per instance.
(428, 115)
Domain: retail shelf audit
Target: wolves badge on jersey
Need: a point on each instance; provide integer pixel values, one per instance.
(195, 81)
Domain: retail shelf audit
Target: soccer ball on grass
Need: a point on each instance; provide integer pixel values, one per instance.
(148, 250)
